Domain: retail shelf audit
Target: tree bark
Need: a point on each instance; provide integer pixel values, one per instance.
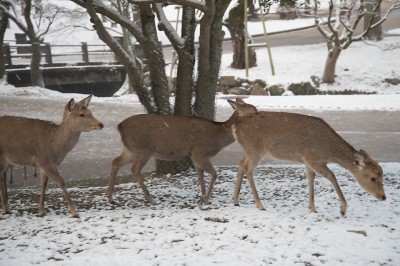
(210, 52)
(3, 27)
(330, 65)
(155, 60)
(237, 30)
(374, 33)
(184, 78)
(36, 72)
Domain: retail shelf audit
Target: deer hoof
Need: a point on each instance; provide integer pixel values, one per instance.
(75, 216)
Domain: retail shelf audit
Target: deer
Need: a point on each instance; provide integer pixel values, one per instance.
(171, 138)
(43, 144)
(303, 139)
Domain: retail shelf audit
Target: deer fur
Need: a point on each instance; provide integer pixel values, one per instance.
(43, 144)
(304, 139)
(170, 138)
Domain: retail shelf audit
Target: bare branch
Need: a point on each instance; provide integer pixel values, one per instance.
(395, 6)
(191, 3)
(17, 21)
(133, 28)
(167, 28)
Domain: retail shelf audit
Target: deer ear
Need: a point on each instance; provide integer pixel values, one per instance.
(359, 159)
(239, 100)
(234, 105)
(86, 101)
(70, 105)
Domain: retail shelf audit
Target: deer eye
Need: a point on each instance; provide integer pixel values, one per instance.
(373, 179)
(82, 115)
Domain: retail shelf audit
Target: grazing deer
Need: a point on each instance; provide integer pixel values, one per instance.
(305, 139)
(168, 137)
(43, 144)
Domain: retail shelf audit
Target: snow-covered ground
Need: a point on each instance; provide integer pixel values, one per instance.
(181, 231)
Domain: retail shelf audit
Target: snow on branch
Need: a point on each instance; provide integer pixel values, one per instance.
(191, 3)
(168, 29)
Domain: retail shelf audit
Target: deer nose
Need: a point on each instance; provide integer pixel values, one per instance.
(101, 125)
(383, 197)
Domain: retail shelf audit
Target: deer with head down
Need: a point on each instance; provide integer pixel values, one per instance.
(305, 139)
(170, 138)
(43, 144)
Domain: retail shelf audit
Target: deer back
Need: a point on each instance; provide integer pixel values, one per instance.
(173, 137)
(290, 136)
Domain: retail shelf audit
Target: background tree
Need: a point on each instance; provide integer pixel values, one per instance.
(37, 21)
(372, 17)
(235, 24)
(3, 27)
(340, 33)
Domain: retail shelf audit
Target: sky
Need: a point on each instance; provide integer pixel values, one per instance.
(181, 231)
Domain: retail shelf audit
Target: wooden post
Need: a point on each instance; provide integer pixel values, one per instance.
(246, 52)
(7, 54)
(85, 53)
(47, 52)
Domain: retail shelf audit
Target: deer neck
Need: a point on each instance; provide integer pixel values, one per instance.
(228, 124)
(65, 138)
(346, 158)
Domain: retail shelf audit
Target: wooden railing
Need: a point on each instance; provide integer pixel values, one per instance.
(53, 54)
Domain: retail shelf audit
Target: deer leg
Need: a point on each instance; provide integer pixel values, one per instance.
(311, 178)
(210, 169)
(200, 176)
(138, 164)
(117, 163)
(11, 174)
(325, 171)
(201, 166)
(56, 177)
(25, 177)
(43, 184)
(3, 189)
(240, 175)
(250, 170)
(247, 166)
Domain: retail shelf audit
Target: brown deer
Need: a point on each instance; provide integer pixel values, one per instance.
(43, 144)
(170, 138)
(305, 139)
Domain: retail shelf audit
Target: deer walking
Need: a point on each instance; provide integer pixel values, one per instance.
(305, 139)
(43, 144)
(172, 138)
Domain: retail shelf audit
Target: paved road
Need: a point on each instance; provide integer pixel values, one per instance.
(378, 132)
(312, 35)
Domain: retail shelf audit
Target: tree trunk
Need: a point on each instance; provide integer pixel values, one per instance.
(155, 60)
(36, 72)
(237, 30)
(375, 33)
(287, 9)
(184, 78)
(210, 52)
(330, 65)
(3, 28)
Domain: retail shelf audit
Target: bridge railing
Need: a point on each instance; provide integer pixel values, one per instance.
(18, 54)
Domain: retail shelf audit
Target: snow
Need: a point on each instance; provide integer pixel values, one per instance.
(181, 231)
